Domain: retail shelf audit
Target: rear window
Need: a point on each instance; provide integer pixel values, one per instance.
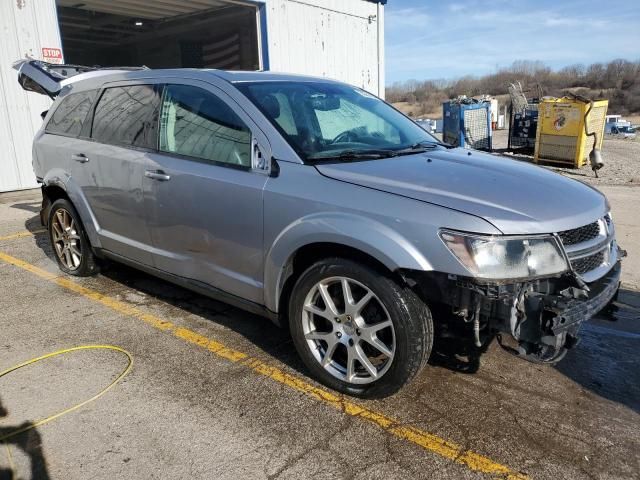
(127, 116)
(71, 113)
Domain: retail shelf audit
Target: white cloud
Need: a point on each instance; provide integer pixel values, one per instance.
(575, 22)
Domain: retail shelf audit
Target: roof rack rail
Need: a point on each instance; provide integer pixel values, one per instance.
(49, 78)
(61, 71)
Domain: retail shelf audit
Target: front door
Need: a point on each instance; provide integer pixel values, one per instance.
(204, 197)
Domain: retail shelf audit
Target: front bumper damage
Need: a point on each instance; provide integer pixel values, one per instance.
(542, 317)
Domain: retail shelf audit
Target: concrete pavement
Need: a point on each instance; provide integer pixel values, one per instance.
(194, 407)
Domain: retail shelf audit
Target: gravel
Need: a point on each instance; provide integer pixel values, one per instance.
(621, 161)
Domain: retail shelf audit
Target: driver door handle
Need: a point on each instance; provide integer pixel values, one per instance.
(157, 175)
(80, 157)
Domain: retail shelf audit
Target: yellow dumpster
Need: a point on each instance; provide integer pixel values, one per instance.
(561, 138)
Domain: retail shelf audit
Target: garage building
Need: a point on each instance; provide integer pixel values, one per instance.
(341, 39)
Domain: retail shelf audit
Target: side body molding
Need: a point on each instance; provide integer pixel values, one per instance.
(365, 234)
(59, 178)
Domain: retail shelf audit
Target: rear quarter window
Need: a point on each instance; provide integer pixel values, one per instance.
(70, 114)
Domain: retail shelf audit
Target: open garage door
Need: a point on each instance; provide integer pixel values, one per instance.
(161, 33)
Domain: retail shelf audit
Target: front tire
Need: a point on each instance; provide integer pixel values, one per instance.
(70, 244)
(357, 330)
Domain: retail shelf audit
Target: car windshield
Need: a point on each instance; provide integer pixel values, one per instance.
(324, 121)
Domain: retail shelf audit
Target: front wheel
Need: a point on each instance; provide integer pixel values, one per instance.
(357, 330)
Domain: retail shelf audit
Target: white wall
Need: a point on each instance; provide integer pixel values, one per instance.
(26, 26)
(341, 39)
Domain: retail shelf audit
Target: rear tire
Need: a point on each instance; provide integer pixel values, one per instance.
(69, 240)
(357, 330)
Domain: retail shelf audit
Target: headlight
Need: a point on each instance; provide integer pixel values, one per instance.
(506, 257)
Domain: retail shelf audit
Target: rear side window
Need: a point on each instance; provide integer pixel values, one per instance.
(70, 114)
(127, 116)
(198, 124)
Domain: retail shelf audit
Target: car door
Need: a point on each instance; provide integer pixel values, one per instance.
(63, 137)
(204, 190)
(110, 166)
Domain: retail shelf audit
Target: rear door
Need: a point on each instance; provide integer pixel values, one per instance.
(110, 165)
(70, 117)
(205, 189)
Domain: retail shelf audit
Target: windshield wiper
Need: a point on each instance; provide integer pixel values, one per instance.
(430, 144)
(346, 155)
(421, 147)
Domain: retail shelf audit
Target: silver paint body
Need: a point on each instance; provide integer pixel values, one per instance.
(237, 230)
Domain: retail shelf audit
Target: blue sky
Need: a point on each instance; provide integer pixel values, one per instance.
(433, 39)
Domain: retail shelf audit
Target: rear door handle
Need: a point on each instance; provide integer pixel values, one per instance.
(157, 175)
(80, 157)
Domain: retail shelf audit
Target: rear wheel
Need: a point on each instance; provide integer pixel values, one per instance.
(358, 331)
(69, 240)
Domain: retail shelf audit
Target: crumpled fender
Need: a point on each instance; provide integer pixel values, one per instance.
(365, 234)
(62, 179)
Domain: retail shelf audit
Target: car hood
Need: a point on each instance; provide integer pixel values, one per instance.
(516, 197)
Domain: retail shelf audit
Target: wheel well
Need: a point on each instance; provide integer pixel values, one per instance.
(54, 192)
(50, 193)
(306, 256)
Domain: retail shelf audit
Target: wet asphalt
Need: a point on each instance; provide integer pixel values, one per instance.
(187, 412)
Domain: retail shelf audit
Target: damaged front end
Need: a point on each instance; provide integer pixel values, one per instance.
(542, 315)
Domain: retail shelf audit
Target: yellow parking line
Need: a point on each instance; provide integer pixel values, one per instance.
(426, 440)
(25, 233)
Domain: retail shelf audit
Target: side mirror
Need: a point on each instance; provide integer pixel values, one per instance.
(261, 162)
(258, 160)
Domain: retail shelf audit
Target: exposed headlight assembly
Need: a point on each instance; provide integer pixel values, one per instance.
(506, 257)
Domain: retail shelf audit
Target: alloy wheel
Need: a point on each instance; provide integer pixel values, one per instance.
(66, 239)
(348, 330)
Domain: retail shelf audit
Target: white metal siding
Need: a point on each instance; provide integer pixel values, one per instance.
(331, 38)
(26, 26)
(341, 39)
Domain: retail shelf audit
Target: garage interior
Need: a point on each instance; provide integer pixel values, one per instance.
(160, 33)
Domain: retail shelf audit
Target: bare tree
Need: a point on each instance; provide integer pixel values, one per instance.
(618, 81)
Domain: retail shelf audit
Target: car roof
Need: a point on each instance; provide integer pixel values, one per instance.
(237, 76)
(97, 78)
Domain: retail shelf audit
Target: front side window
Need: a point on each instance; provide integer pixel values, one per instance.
(127, 116)
(69, 116)
(322, 120)
(196, 123)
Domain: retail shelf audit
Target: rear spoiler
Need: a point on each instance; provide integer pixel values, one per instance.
(46, 78)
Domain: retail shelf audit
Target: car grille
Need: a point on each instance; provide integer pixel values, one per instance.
(579, 235)
(590, 248)
(586, 264)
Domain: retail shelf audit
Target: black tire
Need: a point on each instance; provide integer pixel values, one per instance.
(87, 264)
(411, 318)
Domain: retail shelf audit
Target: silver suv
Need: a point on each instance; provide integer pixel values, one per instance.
(319, 206)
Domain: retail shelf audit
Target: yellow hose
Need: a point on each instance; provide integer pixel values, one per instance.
(71, 409)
